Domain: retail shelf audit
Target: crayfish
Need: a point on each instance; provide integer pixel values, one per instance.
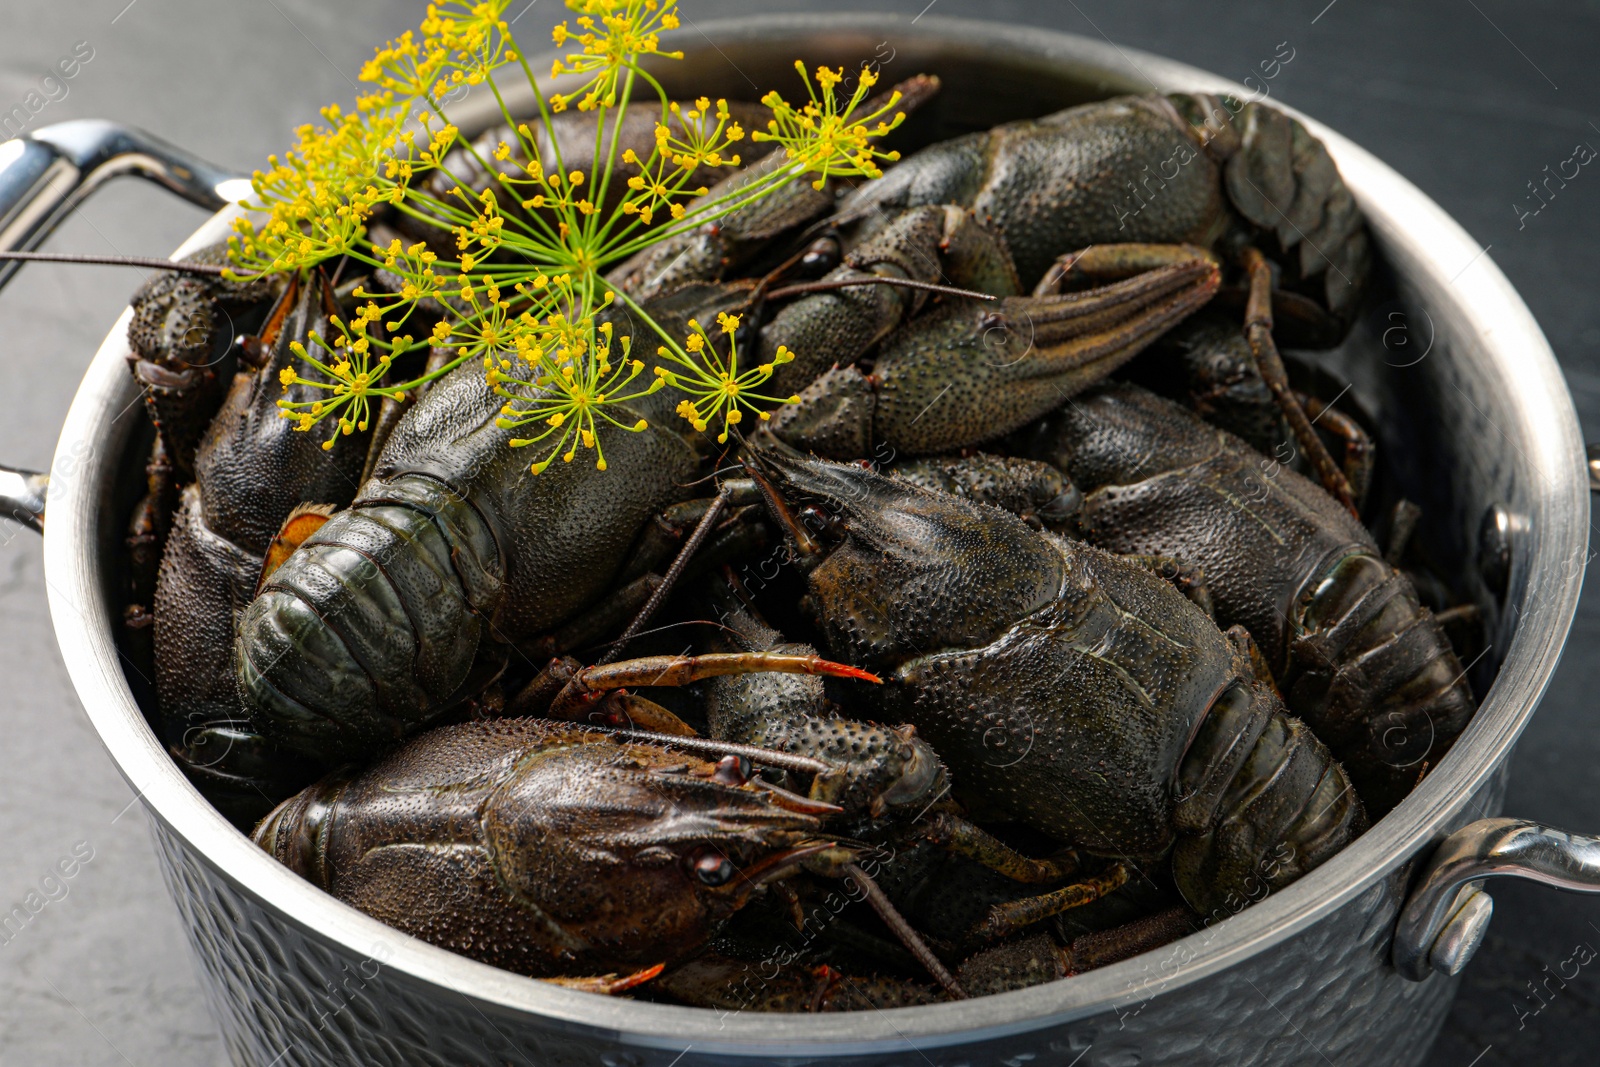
(1125, 675)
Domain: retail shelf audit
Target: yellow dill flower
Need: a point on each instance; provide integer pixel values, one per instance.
(693, 137)
(825, 135)
(460, 43)
(404, 67)
(613, 35)
(345, 383)
(318, 197)
(569, 402)
(706, 135)
(420, 281)
(525, 288)
(713, 384)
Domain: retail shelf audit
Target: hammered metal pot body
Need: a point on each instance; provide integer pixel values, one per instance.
(1482, 421)
(1327, 995)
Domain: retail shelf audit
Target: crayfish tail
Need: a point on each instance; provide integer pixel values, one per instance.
(1266, 803)
(295, 832)
(1373, 674)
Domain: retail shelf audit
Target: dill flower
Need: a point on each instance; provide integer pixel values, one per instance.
(523, 289)
(319, 195)
(713, 384)
(349, 379)
(826, 137)
(567, 399)
(613, 35)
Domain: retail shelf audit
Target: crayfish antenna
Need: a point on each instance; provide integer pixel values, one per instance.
(904, 931)
(766, 757)
(702, 530)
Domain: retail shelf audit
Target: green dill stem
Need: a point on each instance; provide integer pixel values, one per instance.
(647, 76)
(434, 220)
(603, 178)
(610, 255)
(431, 376)
(533, 154)
(564, 212)
(701, 214)
(544, 107)
(671, 342)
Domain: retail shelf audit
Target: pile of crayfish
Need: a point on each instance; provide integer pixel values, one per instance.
(1042, 630)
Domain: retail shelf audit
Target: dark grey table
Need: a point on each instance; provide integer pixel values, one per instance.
(1471, 99)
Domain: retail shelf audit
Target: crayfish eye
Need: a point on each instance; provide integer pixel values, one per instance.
(732, 771)
(821, 257)
(712, 867)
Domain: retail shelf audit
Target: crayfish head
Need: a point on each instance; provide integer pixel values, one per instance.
(889, 770)
(640, 853)
(906, 569)
(184, 320)
(176, 325)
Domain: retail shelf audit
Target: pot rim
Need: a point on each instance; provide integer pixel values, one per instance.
(1424, 245)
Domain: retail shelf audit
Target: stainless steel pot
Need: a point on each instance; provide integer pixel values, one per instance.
(1338, 968)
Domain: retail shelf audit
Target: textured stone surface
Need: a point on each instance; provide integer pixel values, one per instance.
(102, 976)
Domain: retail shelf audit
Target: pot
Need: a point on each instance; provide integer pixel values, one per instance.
(1353, 964)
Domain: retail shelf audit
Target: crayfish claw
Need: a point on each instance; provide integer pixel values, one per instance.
(608, 985)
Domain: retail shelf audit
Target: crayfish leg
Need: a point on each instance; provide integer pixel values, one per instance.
(151, 521)
(550, 696)
(1258, 331)
(535, 698)
(590, 685)
(955, 834)
(1017, 964)
(1007, 918)
(1250, 661)
(683, 670)
(729, 984)
(1403, 520)
(1029, 961)
(633, 712)
(1355, 442)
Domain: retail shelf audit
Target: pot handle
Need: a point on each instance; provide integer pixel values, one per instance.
(1447, 913)
(46, 174)
(1445, 917)
(22, 497)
